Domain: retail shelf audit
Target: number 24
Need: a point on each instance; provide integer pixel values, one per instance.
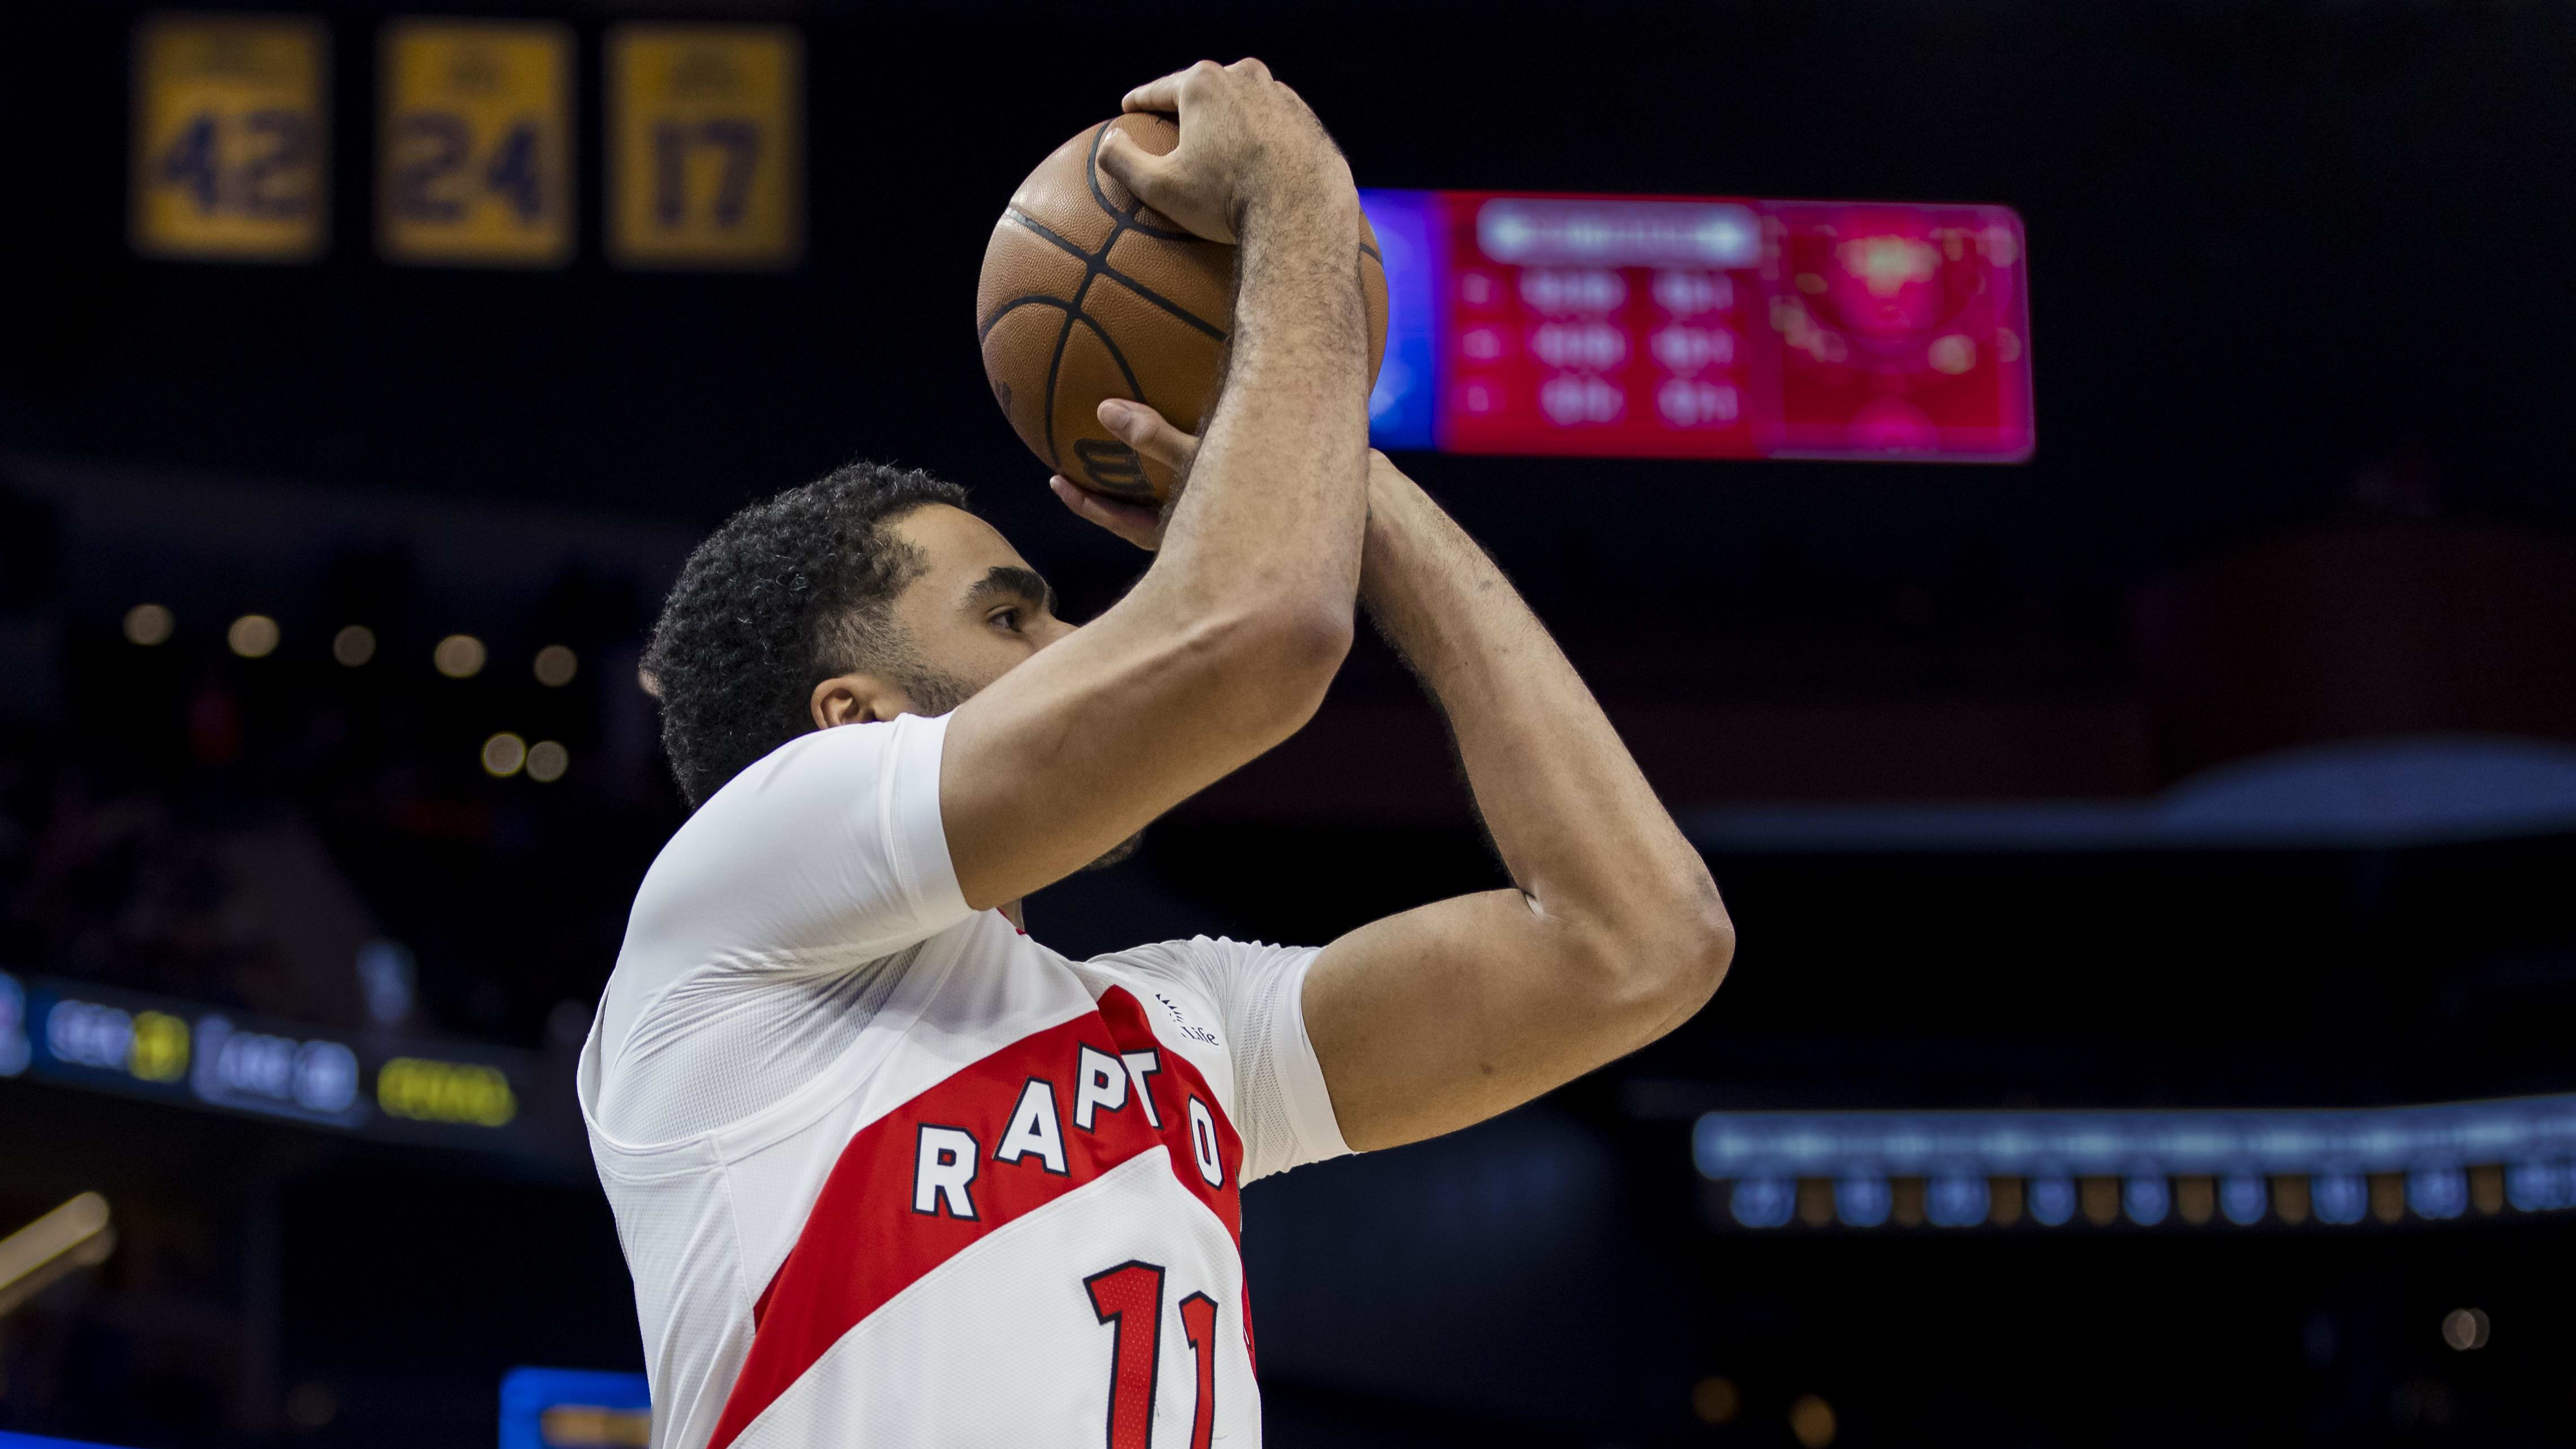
(437, 145)
(1129, 1298)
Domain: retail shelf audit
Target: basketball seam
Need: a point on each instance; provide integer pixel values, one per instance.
(1055, 365)
(1135, 389)
(994, 318)
(1097, 263)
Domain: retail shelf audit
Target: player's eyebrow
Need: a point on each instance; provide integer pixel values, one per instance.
(1008, 581)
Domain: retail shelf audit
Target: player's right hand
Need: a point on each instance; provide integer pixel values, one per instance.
(1247, 144)
(1146, 431)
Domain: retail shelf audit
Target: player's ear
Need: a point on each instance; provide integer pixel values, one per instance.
(855, 699)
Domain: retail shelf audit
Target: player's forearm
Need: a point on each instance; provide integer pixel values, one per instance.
(1273, 509)
(1574, 819)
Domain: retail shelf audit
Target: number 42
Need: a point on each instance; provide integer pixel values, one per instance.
(1129, 1298)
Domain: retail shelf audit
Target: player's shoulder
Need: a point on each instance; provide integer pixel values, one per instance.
(799, 785)
(821, 759)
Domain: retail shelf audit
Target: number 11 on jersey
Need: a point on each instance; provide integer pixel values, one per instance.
(1129, 1298)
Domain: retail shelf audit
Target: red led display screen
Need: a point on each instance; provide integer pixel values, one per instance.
(1704, 328)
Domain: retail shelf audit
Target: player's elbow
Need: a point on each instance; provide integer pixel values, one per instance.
(1654, 969)
(1701, 957)
(1275, 660)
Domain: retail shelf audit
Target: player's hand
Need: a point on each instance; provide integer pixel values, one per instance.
(1247, 144)
(1143, 429)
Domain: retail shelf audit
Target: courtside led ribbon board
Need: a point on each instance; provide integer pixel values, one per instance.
(1702, 327)
(185, 1054)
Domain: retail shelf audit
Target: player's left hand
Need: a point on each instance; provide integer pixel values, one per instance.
(1143, 429)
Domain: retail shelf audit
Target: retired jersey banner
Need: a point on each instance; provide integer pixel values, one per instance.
(706, 164)
(475, 164)
(231, 131)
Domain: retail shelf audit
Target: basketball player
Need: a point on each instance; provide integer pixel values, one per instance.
(887, 1170)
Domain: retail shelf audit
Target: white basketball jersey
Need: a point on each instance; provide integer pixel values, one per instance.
(888, 1171)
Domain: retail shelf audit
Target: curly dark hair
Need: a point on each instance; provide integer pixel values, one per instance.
(786, 594)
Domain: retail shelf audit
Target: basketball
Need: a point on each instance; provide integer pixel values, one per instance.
(1089, 294)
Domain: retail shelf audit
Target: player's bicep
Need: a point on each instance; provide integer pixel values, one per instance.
(1445, 1015)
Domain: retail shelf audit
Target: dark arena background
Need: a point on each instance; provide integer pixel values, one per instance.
(2151, 856)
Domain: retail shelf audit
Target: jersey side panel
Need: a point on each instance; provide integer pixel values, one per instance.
(688, 1304)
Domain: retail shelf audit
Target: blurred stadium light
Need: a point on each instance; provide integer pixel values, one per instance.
(75, 1235)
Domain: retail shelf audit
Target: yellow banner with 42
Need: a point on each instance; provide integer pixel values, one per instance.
(230, 138)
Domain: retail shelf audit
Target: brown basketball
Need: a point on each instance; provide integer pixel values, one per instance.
(1089, 294)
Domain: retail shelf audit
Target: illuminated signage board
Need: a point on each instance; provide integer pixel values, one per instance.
(313, 1079)
(13, 1026)
(1959, 1169)
(1718, 327)
(548, 1408)
(78, 1034)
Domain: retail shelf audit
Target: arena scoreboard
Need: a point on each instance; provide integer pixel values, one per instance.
(1702, 327)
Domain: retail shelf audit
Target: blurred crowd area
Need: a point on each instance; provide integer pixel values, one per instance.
(242, 761)
(373, 760)
(315, 832)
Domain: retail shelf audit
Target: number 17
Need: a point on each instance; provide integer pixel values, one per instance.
(738, 139)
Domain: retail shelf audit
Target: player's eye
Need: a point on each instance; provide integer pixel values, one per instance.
(1008, 619)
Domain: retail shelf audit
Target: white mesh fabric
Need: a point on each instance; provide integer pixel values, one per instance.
(1260, 1104)
(729, 1039)
(1281, 1108)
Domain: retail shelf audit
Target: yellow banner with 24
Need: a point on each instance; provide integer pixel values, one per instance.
(476, 163)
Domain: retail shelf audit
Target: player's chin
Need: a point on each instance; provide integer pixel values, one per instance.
(1118, 852)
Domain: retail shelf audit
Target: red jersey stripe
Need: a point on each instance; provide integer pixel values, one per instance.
(867, 1236)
